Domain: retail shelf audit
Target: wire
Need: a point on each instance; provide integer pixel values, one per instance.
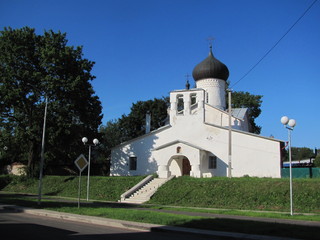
(267, 53)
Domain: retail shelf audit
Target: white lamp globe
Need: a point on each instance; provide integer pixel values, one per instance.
(84, 140)
(292, 122)
(95, 141)
(284, 120)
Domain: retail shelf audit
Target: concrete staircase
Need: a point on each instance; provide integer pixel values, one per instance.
(143, 191)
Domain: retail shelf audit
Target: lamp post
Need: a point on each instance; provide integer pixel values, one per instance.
(43, 139)
(42, 150)
(289, 124)
(95, 143)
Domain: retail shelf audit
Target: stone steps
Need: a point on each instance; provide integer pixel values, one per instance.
(145, 192)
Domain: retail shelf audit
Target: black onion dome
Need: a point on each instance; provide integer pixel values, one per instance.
(210, 68)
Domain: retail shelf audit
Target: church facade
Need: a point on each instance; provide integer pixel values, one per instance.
(197, 141)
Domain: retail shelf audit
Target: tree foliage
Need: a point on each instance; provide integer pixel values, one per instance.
(133, 125)
(301, 153)
(317, 161)
(253, 103)
(35, 66)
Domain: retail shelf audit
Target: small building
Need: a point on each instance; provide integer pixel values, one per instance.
(196, 140)
(15, 168)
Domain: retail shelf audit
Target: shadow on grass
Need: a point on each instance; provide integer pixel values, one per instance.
(69, 179)
(29, 200)
(4, 181)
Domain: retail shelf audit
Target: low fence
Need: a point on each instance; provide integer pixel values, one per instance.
(306, 172)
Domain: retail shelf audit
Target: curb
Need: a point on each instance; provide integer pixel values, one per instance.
(146, 227)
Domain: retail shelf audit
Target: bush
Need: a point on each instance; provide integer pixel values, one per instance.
(317, 161)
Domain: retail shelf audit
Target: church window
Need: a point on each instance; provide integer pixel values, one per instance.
(178, 149)
(194, 104)
(212, 162)
(180, 104)
(133, 163)
(193, 98)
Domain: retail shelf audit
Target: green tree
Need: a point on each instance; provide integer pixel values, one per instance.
(253, 103)
(35, 66)
(317, 161)
(301, 153)
(111, 136)
(133, 125)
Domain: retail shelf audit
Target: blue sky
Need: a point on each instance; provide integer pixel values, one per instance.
(144, 48)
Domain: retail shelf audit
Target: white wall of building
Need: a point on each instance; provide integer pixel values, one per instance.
(221, 118)
(252, 155)
(215, 91)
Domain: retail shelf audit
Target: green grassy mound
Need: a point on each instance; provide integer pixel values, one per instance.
(240, 193)
(101, 188)
(235, 193)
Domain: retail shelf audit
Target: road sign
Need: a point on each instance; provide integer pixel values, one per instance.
(81, 162)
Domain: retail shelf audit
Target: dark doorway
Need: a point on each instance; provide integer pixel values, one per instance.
(186, 167)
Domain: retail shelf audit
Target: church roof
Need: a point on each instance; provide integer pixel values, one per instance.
(210, 68)
(178, 141)
(239, 112)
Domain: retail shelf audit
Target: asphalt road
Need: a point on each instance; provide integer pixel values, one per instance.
(17, 225)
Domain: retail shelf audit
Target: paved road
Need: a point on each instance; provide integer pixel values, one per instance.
(14, 225)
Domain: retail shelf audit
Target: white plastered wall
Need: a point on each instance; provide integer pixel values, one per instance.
(251, 154)
(216, 90)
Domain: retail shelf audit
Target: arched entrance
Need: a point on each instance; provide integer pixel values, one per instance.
(186, 167)
(179, 166)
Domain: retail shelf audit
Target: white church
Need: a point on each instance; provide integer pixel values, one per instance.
(198, 141)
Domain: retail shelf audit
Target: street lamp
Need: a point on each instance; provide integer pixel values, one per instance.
(289, 124)
(95, 143)
(43, 139)
(42, 150)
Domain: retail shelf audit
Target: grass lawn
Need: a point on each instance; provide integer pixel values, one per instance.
(240, 193)
(224, 193)
(101, 188)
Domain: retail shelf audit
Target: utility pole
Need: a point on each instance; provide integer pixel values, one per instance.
(229, 136)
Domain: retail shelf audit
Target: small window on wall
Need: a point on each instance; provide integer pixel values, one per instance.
(212, 162)
(178, 149)
(180, 104)
(193, 98)
(133, 163)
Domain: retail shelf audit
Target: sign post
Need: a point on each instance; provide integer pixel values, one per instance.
(81, 163)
